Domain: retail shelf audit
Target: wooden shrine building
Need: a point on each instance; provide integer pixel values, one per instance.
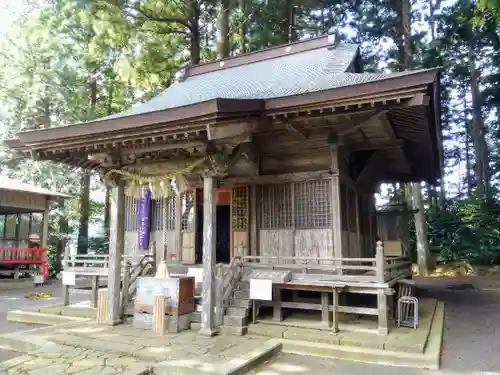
(272, 156)
(24, 226)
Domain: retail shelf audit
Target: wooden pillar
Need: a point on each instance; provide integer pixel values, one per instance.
(116, 250)
(45, 225)
(65, 268)
(335, 304)
(159, 311)
(325, 310)
(335, 198)
(348, 212)
(358, 226)
(209, 233)
(102, 306)
(253, 221)
(95, 290)
(18, 231)
(277, 313)
(178, 227)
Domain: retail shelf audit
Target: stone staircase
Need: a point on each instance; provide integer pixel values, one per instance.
(238, 312)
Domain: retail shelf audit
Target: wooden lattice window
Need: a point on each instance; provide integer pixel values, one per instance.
(10, 226)
(36, 223)
(275, 206)
(24, 226)
(131, 214)
(239, 208)
(312, 204)
(187, 207)
(157, 214)
(169, 213)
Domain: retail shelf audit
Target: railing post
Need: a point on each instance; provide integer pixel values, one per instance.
(125, 286)
(380, 262)
(219, 303)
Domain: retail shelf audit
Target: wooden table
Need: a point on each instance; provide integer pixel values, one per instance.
(328, 320)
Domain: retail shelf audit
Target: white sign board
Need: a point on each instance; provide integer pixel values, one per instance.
(261, 289)
(68, 278)
(197, 273)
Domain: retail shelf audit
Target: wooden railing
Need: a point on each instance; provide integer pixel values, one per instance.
(379, 269)
(227, 280)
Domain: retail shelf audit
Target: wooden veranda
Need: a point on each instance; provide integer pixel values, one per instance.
(293, 140)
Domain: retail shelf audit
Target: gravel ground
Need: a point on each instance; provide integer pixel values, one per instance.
(13, 299)
(471, 339)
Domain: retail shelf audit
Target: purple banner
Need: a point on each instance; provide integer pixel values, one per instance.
(143, 212)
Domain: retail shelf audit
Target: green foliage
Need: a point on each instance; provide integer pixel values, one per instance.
(465, 230)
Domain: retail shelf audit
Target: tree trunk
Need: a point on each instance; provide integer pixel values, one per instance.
(243, 26)
(194, 34)
(223, 29)
(416, 191)
(421, 232)
(468, 176)
(83, 227)
(481, 152)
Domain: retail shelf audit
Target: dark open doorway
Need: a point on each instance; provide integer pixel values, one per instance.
(222, 238)
(223, 230)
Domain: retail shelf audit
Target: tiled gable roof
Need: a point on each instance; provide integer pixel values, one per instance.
(290, 74)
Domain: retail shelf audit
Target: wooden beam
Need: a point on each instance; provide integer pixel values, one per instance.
(229, 130)
(397, 143)
(386, 124)
(372, 165)
(278, 178)
(419, 99)
(360, 124)
(296, 129)
(163, 147)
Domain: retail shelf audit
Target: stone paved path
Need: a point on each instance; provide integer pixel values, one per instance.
(88, 349)
(59, 360)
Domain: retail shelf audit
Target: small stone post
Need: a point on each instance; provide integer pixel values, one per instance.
(125, 287)
(219, 309)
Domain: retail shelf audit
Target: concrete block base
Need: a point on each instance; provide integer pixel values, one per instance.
(173, 324)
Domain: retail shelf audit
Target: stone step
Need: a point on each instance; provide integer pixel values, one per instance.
(237, 311)
(195, 326)
(233, 331)
(196, 317)
(242, 294)
(235, 321)
(240, 303)
(244, 286)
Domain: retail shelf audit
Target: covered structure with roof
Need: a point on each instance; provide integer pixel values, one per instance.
(273, 157)
(24, 224)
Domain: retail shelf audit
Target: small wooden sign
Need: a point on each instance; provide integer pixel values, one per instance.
(68, 278)
(261, 289)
